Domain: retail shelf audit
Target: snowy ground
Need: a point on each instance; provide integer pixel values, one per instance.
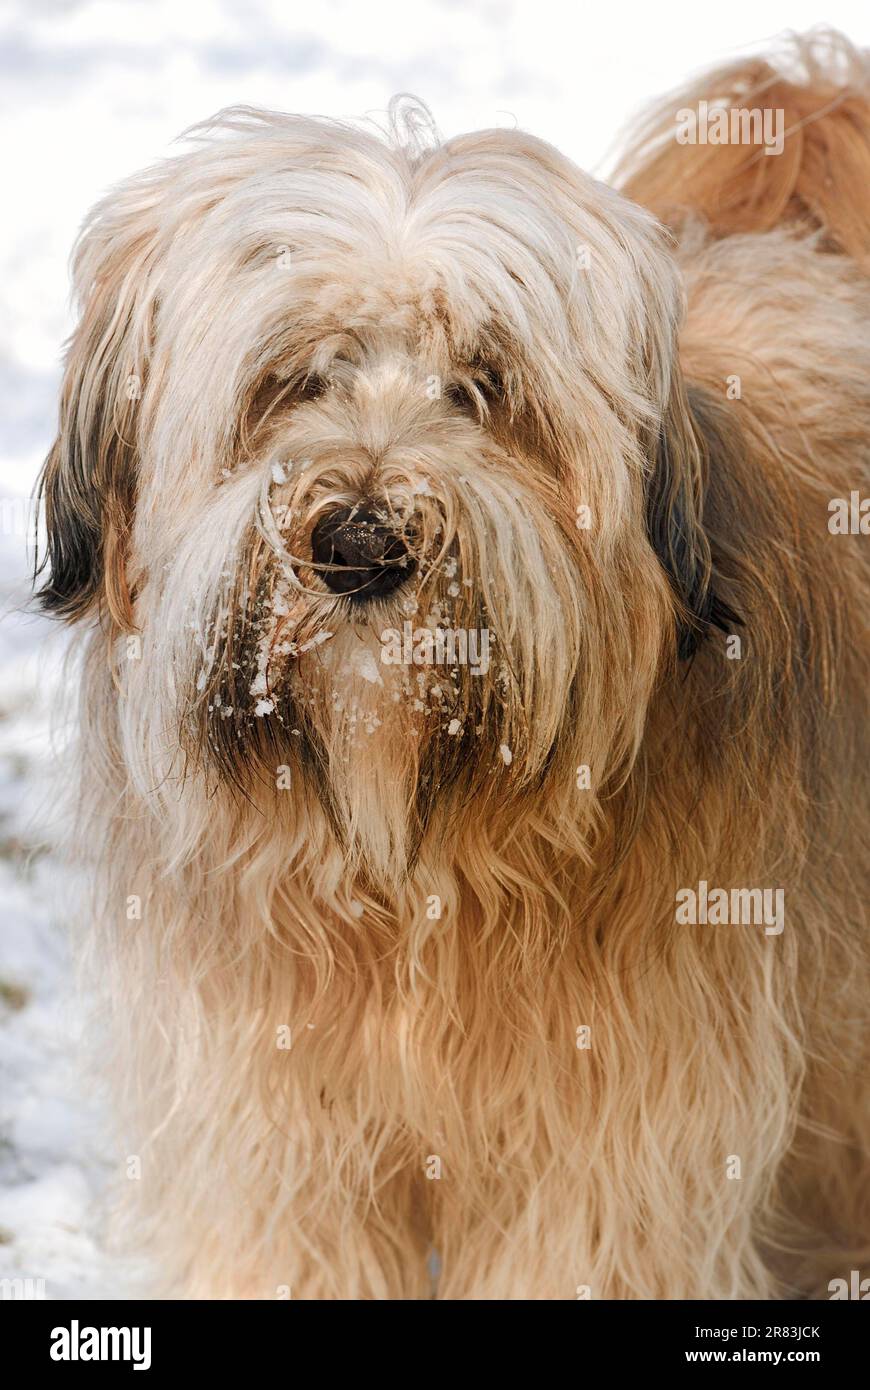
(53, 1160)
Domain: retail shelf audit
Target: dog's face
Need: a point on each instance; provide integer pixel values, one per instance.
(329, 394)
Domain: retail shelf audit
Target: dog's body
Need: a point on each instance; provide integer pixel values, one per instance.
(395, 951)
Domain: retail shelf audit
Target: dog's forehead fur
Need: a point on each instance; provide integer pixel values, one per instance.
(475, 250)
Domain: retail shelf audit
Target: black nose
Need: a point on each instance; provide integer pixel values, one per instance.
(371, 554)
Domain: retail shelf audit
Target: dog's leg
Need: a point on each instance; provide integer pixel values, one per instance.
(243, 1195)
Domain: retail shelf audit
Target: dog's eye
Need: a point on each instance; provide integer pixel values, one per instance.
(461, 398)
(311, 387)
(488, 385)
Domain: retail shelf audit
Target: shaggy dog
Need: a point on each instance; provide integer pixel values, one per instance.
(474, 599)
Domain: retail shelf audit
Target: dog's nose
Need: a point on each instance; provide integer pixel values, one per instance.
(371, 555)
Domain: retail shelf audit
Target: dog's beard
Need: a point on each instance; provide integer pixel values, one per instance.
(392, 736)
(370, 737)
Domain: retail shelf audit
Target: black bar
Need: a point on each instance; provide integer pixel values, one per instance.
(284, 1337)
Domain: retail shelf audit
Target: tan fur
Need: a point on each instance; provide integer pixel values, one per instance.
(263, 906)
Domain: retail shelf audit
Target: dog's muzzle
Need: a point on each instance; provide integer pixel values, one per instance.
(361, 552)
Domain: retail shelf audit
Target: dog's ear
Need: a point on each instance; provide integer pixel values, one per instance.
(88, 481)
(689, 444)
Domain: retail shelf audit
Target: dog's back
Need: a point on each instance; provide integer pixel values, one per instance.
(805, 163)
(773, 236)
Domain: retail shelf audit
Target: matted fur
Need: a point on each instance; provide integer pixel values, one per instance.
(283, 295)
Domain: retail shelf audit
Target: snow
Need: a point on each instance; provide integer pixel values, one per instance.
(54, 1155)
(362, 662)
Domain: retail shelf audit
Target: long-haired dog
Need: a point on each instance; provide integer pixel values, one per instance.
(474, 596)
